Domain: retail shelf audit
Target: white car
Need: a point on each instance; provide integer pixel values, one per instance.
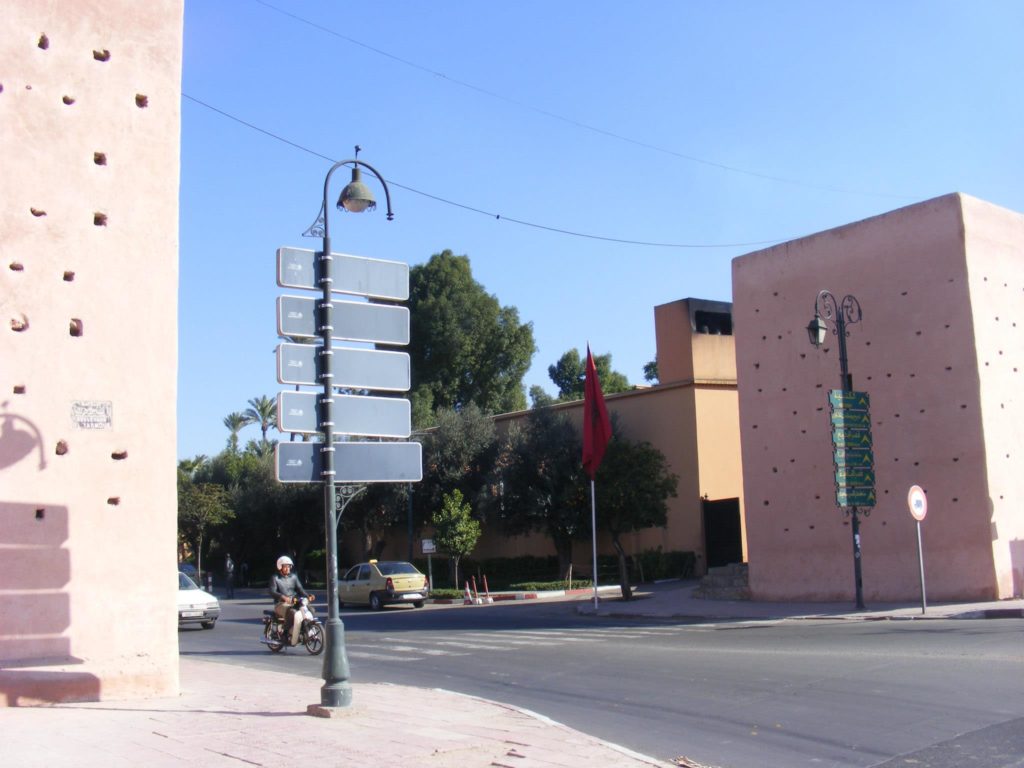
(195, 606)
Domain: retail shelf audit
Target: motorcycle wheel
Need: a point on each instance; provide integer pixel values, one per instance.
(314, 638)
(273, 639)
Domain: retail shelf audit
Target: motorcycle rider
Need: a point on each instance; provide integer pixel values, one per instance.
(286, 589)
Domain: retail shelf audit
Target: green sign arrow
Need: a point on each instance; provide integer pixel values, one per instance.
(851, 438)
(851, 477)
(857, 401)
(853, 457)
(855, 497)
(842, 417)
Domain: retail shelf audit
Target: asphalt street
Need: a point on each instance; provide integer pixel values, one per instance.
(735, 694)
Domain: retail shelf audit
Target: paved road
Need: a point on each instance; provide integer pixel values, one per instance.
(733, 694)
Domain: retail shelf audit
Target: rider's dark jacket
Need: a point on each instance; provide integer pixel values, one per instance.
(286, 587)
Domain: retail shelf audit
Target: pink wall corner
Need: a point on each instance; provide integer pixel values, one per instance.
(914, 353)
(87, 485)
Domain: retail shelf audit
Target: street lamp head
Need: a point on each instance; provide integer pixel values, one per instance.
(356, 197)
(816, 330)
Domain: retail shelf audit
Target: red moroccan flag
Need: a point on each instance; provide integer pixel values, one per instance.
(597, 428)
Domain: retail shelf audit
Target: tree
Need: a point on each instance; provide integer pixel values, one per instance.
(569, 373)
(263, 411)
(633, 484)
(651, 371)
(235, 422)
(459, 453)
(201, 507)
(464, 346)
(455, 531)
(544, 487)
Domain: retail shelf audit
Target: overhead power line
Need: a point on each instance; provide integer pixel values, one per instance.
(491, 214)
(570, 121)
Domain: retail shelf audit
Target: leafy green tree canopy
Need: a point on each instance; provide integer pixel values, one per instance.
(455, 531)
(464, 346)
(569, 375)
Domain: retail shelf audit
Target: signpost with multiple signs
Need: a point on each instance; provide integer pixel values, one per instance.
(852, 448)
(349, 368)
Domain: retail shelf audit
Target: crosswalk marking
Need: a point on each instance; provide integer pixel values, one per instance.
(420, 646)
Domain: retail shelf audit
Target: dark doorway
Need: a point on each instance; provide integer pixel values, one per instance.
(723, 543)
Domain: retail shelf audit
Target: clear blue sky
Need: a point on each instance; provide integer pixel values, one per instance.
(734, 124)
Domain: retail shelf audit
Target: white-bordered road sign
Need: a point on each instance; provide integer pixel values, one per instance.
(350, 320)
(353, 462)
(918, 502)
(376, 278)
(352, 414)
(353, 368)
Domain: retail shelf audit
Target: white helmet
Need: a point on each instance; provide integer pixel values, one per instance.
(284, 560)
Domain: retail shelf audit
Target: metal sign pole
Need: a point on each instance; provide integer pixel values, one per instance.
(920, 562)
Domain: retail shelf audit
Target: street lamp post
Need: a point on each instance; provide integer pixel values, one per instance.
(840, 314)
(355, 198)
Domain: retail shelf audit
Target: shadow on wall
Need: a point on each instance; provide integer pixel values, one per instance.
(1017, 566)
(35, 568)
(18, 442)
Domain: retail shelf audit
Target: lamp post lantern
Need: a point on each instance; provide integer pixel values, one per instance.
(833, 314)
(355, 198)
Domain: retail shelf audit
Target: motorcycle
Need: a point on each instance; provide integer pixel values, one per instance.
(311, 634)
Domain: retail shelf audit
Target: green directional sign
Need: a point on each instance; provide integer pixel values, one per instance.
(855, 497)
(851, 438)
(853, 477)
(843, 417)
(854, 457)
(854, 401)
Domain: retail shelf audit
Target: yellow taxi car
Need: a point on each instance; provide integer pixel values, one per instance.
(380, 582)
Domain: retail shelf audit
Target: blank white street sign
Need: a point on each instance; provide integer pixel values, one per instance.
(376, 278)
(353, 368)
(351, 320)
(352, 414)
(353, 462)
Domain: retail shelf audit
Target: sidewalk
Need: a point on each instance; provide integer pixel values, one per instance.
(232, 716)
(675, 600)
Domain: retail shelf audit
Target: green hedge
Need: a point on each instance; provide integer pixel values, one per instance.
(529, 572)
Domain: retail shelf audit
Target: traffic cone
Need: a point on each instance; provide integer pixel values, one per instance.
(487, 592)
(476, 595)
(468, 599)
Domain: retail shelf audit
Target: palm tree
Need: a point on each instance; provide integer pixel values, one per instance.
(235, 422)
(190, 466)
(263, 411)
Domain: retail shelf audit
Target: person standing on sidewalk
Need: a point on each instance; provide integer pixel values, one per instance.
(229, 576)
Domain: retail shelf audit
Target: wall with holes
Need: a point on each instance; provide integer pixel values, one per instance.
(938, 349)
(89, 136)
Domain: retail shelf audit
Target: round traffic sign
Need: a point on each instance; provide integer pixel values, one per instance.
(917, 502)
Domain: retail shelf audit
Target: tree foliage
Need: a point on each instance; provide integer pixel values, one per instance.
(633, 485)
(262, 410)
(569, 375)
(544, 487)
(464, 346)
(235, 422)
(201, 508)
(455, 531)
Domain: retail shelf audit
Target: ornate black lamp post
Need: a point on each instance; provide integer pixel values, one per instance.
(355, 198)
(839, 314)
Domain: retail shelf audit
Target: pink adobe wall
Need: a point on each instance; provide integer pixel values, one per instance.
(995, 251)
(915, 354)
(89, 136)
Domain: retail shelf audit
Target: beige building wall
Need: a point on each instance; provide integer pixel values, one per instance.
(89, 137)
(939, 351)
(691, 418)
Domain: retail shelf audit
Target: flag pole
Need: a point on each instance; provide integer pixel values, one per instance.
(593, 529)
